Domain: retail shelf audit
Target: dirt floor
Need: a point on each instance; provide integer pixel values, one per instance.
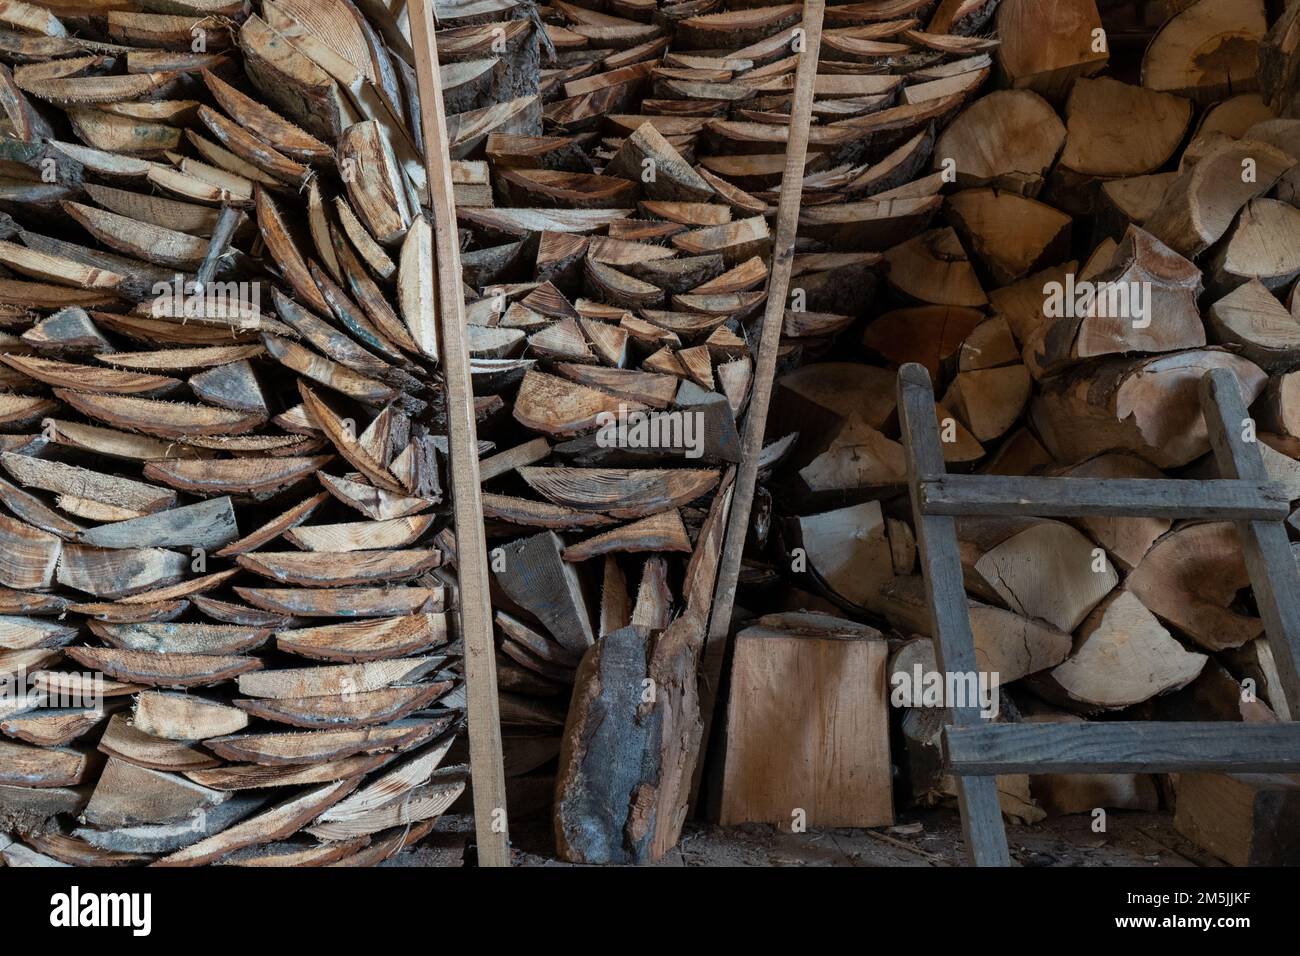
(926, 838)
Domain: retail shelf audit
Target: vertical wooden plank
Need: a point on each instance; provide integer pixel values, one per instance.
(474, 604)
(1267, 551)
(954, 644)
(778, 289)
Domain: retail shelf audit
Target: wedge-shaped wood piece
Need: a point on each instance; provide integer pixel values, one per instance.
(416, 294)
(336, 679)
(295, 852)
(328, 373)
(315, 746)
(734, 241)
(116, 444)
(25, 766)
(183, 589)
(421, 803)
(563, 189)
(165, 419)
(621, 492)
(273, 528)
(90, 378)
(342, 437)
(164, 670)
(108, 164)
(128, 795)
(393, 784)
(75, 851)
(376, 190)
(126, 741)
(231, 386)
(280, 821)
(540, 514)
(344, 602)
(17, 409)
(351, 710)
(181, 638)
(557, 407)
(371, 252)
(536, 578)
(1123, 657)
(355, 321)
(202, 182)
(24, 602)
(1199, 206)
(96, 89)
(142, 240)
(158, 210)
(57, 269)
(185, 716)
(54, 727)
(70, 480)
(323, 569)
(236, 475)
(158, 838)
(266, 124)
(360, 536)
(661, 532)
(28, 556)
(366, 640)
(251, 776)
(207, 525)
(283, 248)
(68, 331)
(294, 82)
(375, 503)
(673, 180)
(251, 149)
(22, 633)
(374, 301)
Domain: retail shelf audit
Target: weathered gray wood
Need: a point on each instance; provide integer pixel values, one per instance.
(1091, 497)
(936, 539)
(1115, 747)
(219, 245)
(209, 525)
(1263, 543)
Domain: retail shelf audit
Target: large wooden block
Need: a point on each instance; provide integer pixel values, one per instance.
(808, 729)
(1246, 819)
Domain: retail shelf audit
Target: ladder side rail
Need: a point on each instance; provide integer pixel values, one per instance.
(1267, 550)
(954, 644)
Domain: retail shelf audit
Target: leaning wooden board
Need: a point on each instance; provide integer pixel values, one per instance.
(474, 602)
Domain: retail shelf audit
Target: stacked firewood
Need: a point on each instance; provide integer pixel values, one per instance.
(973, 168)
(224, 634)
(618, 235)
(1103, 226)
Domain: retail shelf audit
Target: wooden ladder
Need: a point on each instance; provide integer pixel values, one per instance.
(975, 749)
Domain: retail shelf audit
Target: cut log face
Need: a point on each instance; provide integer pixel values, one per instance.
(1190, 579)
(1041, 569)
(1207, 50)
(1123, 657)
(840, 797)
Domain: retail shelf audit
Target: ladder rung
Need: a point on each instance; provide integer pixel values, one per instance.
(1155, 747)
(1224, 498)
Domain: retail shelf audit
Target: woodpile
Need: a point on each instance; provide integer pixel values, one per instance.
(1108, 223)
(697, 239)
(225, 633)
